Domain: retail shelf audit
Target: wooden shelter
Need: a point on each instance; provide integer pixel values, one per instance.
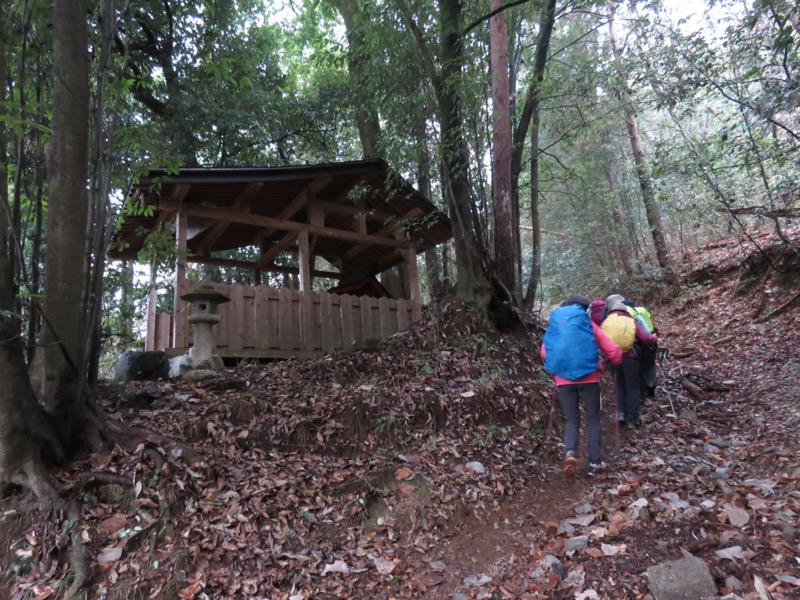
(358, 216)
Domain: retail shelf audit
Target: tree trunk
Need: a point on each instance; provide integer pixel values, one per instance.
(472, 284)
(65, 265)
(639, 159)
(433, 267)
(369, 127)
(505, 268)
(531, 116)
(23, 424)
(626, 242)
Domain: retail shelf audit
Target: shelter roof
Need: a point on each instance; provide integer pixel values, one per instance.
(354, 212)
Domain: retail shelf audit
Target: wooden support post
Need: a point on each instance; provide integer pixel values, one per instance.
(152, 307)
(413, 284)
(180, 308)
(306, 321)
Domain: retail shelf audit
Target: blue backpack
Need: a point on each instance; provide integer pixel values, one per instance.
(569, 344)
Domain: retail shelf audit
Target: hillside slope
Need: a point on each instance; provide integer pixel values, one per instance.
(421, 469)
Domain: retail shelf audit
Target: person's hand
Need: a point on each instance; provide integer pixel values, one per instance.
(656, 331)
(655, 337)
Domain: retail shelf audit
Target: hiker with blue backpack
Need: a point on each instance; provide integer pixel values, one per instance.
(632, 337)
(571, 350)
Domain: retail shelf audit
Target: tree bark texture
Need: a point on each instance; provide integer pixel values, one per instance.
(66, 261)
(531, 117)
(504, 234)
(642, 170)
(472, 283)
(369, 127)
(23, 424)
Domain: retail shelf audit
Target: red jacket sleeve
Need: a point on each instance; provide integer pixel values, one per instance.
(542, 353)
(607, 346)
(643, 336)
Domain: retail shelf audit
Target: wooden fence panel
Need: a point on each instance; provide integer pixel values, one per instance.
(315, 332)
(337, 316)
(162, 331)
(222, 331)
(346, 308)
(327, 324)
(402, 314)
(387, 325)
(249, 317)
(367, 329)
(289, 321)
(265, 318)
(236, 316)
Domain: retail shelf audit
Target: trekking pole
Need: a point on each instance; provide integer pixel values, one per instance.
(551, 417)
(662, 356)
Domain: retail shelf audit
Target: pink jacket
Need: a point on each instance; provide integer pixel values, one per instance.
(607, 347)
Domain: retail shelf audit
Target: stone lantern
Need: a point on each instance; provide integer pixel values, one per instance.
(203, 317)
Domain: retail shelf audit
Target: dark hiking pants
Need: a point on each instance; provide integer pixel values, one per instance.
(647, 365)
(569, 396)
(628, 389)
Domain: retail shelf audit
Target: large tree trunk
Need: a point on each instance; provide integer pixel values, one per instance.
(531, 118)
(23, 424)
(64, 331)
(504, 234)
(639, 159)
(472, 283)
(369, 126)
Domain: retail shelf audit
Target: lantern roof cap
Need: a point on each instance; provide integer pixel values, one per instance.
(206, 292)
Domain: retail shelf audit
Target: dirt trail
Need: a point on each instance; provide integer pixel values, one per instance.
(721, 480)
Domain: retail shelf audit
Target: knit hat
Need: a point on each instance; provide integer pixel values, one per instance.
(618, 305)
(577, 299)
(613, 299)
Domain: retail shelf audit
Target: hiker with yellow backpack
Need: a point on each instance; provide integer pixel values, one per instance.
(630, 335)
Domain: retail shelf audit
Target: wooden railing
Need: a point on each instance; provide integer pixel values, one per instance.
(263, 321)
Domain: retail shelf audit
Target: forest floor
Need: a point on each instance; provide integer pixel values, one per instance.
(421, 469)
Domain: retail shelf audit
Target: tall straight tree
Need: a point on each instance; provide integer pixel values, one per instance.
(640, 160)
(530, 118)
(472, 283)
(63, 334)
(26, 432)
(504, 235)
(369, 126)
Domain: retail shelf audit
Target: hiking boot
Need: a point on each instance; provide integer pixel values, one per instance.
(569, 463)
(597, 468)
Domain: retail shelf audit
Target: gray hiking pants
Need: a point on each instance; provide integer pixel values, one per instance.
(569, 396)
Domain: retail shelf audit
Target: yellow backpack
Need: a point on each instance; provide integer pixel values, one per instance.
(621, 329)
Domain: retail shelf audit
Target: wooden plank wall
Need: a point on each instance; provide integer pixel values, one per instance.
(267, 319)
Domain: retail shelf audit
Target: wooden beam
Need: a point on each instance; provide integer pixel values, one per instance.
(278, 247)
(302, 199)
(241, 203)
(244, 264)
(277, 224)
(390, 228)
(352, 211)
